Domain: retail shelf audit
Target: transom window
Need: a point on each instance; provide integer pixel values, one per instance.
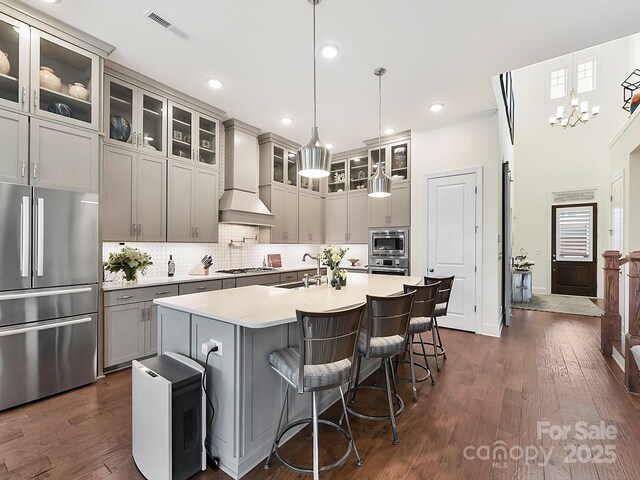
(586, 75)
(558, 83)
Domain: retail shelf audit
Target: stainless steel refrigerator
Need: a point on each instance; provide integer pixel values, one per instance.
(48, 292)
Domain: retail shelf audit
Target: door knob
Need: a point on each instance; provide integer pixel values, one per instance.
(431, 270)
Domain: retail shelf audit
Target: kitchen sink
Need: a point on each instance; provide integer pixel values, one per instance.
(296, 284)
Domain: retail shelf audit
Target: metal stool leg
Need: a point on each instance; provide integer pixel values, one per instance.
(273, 447)
(352, 391)
(424, 354)
(435, 346)
(387, 374)
(413, 371)
(444, 351)
(316, 453)
(346, 417)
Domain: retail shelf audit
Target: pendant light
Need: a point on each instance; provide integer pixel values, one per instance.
(379, 184)
(314, 159)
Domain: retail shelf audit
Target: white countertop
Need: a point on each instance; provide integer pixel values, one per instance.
(154, 281)
(261, 306)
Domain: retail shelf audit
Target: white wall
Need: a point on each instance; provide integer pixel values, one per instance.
(465, 144)
(552, 159)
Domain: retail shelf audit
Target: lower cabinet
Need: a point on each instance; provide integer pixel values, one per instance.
(192, 203)
(131, 332)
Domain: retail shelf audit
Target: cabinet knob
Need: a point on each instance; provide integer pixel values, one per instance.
(431, 270)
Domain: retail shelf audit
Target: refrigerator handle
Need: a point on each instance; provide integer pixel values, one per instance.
(40, 237)
(46, 326)
(25, 207)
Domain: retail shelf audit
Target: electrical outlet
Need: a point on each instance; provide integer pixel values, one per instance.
(207, 346)
(538, 252)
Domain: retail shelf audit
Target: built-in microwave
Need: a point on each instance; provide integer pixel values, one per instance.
(389, 243)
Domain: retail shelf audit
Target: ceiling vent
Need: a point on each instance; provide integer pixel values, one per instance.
(166, 24)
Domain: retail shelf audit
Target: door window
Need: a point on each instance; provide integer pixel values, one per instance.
(574, 227)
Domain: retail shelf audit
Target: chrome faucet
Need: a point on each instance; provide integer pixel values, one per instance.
(317, 259)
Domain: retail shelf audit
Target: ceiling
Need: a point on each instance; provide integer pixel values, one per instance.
(434, 51)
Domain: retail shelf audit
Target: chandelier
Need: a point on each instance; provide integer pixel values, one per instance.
(578, 112)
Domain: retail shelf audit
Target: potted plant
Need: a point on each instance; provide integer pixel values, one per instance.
(331, 256)
(130, 261)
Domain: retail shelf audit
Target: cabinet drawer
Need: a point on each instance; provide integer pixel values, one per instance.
(144, 294)
(229, 283)
(269, 279)
(199, 287)
(288, 277)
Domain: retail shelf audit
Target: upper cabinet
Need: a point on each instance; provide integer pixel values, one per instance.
(337, 181)
(349, 172)
(396, 158)
(193, 136)
(278, 162)
(46, 76)
(134, 117)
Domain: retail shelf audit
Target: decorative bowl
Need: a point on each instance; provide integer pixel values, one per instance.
(77, 90)
(5, 66)
(353, 261)
(119, 128)
(397, 177)
(61, 109)
(49, 81)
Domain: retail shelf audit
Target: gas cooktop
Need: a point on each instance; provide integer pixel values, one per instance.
(234, 271)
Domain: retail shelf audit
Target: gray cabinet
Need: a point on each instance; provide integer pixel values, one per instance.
(63, 157)
(124, 328)
(14, 138)
(283, 204)
(133, 196)
(346, 218)
(14, 85)
(358, 225)
(199, 287)
(193, 136)
(192, 204)
(392, 211)
(309, 218)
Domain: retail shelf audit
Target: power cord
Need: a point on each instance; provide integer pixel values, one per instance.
(214, 462)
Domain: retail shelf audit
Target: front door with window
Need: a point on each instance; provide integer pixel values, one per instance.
(573, 246)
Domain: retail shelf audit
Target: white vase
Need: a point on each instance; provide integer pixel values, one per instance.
(77, 90)
(49, 81)
(5, 66)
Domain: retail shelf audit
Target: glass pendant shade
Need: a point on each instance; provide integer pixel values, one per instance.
(314, 159)
(379, 184)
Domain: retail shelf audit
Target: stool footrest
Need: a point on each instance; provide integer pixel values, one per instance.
(308, 421)
(352, 411)
(441, 350)
(421, 379)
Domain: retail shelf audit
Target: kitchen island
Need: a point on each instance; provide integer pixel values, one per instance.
(249, 323)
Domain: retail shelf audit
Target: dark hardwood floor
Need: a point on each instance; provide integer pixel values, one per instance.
(546, 367)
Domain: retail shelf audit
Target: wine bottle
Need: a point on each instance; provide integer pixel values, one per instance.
(171, 270)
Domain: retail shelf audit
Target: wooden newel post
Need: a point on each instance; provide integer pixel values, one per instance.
(633, 337)
(611, 323)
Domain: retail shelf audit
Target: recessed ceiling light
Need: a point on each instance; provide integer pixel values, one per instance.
(329, 51)
(329, 146)
(213, 83)
(388, 131)
(286, 120)
(436, 107)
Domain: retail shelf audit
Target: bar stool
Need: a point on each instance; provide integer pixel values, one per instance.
(327, 348)
(383, 335)
(442, 306)
(424, 303)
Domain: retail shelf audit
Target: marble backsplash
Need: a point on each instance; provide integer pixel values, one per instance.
(240, 255)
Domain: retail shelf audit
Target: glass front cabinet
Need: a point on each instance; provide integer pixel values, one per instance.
(349, 172)
(134, 118)
(396, 159)
(192, 136)
(46, 76)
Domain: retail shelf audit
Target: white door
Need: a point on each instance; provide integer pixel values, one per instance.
(616, 241)
(451, 244)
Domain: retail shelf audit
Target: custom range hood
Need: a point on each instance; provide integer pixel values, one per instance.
(240, 203)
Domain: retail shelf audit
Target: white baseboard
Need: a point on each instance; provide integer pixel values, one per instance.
(539, 290)
(618, 358)
(494, 330)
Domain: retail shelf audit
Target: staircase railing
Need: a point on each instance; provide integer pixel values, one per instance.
(611, 324)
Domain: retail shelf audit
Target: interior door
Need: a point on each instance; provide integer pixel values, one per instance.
(451, 244)
(65, 238)
(15, 237)
(506, 243)
(573, 249)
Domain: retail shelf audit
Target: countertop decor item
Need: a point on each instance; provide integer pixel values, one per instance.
(314, 159)
(353, 261)
(400, 157)
(119, 128)
(631, 90)
(49, 80)
(130, 261)
(77, 90)
(331, 256)
(577, 113)
(521, 263)
(61, 109)
(5, 66)
(379, 184)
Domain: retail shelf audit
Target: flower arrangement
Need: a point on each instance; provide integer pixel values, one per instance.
(130, 261)
(331, 256)
(521, 263)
